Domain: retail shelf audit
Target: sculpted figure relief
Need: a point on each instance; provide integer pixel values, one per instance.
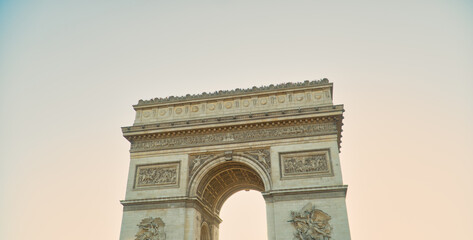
(155, 175)
(311, 224)
(315, 163)
(304, 164)
(151, 229)
(197, 161)
(262, 156)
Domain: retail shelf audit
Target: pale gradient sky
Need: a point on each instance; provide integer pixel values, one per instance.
(70, 71)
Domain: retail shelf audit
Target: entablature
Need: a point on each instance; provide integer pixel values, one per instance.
(234, 102)
(303, 123)
(268, 113)
(232, 120)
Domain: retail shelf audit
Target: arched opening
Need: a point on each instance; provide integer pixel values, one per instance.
(225, 179)
(216, 180)
(244, 217)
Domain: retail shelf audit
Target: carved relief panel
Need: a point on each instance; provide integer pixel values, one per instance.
(151, 229)
(157, 175)
(311, 224)
(315, 163)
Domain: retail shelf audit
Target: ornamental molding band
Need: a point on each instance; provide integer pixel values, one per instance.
(190, 154)
(235, 134)
(311, 224)
(157, 175)
(151, 229)
(314, 163)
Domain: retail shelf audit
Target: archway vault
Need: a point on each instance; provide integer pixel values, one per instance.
(224, 180)
(220, 178)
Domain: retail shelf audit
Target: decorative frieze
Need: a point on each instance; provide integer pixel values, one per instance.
(151, 229)
(188, 108)
(164, 174)
(237, 134)
(311, 224)
(315, 163)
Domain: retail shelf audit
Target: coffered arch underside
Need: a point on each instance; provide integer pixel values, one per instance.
(215, 182)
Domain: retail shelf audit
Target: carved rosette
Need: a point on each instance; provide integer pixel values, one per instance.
(311, 224)
(151, 229)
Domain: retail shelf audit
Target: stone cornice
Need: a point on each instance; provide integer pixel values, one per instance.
(218, 129)
(314, 192)
(231, 120)
(336, 188)
(235, 133)
(165, 202)
(152, 200)
(235, 92)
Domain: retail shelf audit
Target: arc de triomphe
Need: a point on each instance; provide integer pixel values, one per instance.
(189, 154)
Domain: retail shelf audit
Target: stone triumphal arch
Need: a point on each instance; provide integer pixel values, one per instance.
(189, 154)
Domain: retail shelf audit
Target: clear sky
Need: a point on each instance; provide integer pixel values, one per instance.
(70, 71)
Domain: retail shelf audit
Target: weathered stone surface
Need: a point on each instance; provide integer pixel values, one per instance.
(306, 164)
(235, 102)
(189, 154)
(311, 223)
(258, 132)
(151, 229)
(157, 175)
(234, 92)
